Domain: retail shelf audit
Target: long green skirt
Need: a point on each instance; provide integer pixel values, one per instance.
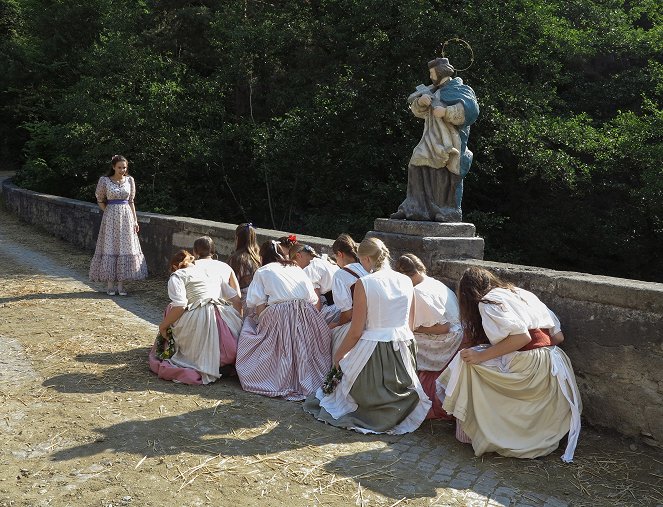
(381, 391)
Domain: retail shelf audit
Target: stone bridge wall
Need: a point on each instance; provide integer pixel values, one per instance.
(613, 326)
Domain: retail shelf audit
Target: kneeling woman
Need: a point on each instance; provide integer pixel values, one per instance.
(345, 278)
(286, 349)
(436, 327)
(204, 324)
(320, 270)
(379, 391)
(514, 392)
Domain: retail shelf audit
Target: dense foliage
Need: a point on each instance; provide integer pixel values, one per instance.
(292, 114)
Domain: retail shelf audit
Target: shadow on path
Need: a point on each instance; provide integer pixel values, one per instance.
(240, 425)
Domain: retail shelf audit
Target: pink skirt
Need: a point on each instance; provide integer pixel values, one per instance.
(428, 382)
(168, 371)
(285, 352)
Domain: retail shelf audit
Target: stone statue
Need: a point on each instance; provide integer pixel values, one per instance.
(441, 159)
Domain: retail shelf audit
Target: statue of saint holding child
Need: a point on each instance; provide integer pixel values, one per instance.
(441, 159)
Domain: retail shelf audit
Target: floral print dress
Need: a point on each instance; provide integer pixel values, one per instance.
(118, 255)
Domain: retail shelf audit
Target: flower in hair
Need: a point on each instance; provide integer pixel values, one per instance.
(249, 225)
(292, 238)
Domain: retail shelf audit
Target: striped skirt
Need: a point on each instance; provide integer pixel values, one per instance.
(285, 352)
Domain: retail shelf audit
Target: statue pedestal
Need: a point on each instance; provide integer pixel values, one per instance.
(430, 241)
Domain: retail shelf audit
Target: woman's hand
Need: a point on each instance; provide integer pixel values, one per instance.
(163, 330)
(136, 227)
(472, 356)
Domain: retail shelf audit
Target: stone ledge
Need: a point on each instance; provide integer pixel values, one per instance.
(428, 229)
(608, 290)
(431, 249)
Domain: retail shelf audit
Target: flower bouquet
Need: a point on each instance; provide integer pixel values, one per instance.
(332, 379)
(165, 346)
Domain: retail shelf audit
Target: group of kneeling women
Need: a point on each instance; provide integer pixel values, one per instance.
(286, 320)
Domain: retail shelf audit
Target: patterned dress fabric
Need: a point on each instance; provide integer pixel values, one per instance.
(118, 255)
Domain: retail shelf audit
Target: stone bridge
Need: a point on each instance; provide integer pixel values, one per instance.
(84, 422)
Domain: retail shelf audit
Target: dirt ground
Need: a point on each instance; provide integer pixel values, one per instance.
(84, 422)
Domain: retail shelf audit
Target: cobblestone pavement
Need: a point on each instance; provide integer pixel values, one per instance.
(85, 423)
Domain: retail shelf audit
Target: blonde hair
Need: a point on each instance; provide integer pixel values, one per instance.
(375, 250)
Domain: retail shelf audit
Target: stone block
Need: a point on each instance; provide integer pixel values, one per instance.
(427, 229)
(430, 241)
(431, 249)
(459, 484)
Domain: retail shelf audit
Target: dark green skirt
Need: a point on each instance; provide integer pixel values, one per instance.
(381, 391)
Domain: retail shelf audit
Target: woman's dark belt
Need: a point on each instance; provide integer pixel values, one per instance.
(117, 201)
(329, 298)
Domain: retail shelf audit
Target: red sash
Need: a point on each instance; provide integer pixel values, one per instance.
(540, 338)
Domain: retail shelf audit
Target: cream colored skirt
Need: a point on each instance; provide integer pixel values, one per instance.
(520, 405)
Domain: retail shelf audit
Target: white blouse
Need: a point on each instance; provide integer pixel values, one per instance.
(206, 278)
(321, 273)
(515, 313)
(341, 285)
(219, 268)
(435, 303)
(388, 299)
(275, 283)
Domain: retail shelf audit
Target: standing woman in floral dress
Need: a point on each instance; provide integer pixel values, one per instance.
(118, 256)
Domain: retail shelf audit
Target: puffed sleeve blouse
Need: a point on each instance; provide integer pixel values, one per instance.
(341, 284)
(177, 288)
(435, 303)
(515, 312)
(321, 273)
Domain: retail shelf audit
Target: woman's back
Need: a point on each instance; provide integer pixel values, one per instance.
(275, 283)
(389, 298)
(321, 272)
(514, 311)
(244, 265)
(432, 296)
(207, 278)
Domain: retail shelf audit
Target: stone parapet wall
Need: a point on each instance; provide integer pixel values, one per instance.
(160, 235)
(613, 327)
